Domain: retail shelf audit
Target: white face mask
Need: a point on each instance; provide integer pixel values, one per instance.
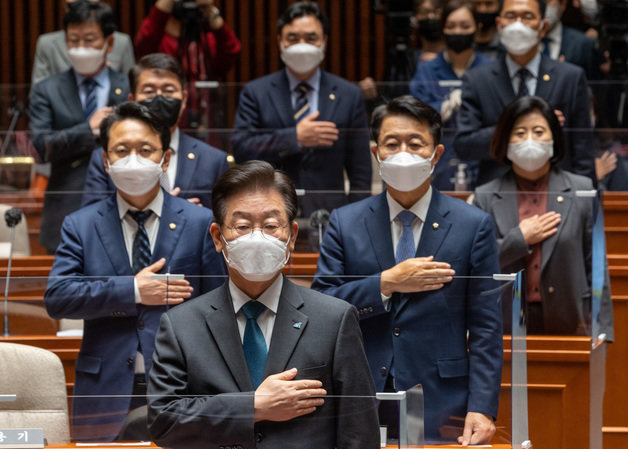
(518, 38)
(302, 58)
(87, 61)
(531, 154)
(256, 257)
(551, 14)
(404, 171)
(135, 175)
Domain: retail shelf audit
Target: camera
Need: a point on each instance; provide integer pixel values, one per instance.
(193, 22)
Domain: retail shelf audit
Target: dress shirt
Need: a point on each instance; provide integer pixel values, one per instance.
(312, 96)
(174, 162)
(419, 209)
(103, 85)
(556, 39)
(533, 67)
(266, 320)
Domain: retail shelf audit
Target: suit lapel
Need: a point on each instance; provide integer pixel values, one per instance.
(506, 205)
(70, 96)
(117, 91)
(109, 231)
(435, 228)
(185, 166)
(502, 82)
(223, 326)
(279, 97)
(545, 82)
(559, 199)
(289, 326)
(377, 223)
(328, 98)
(171, 225)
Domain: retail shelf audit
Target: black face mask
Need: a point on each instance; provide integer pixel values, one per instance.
(429, 29)
(485, 20)
(165, 108)
(459, 42)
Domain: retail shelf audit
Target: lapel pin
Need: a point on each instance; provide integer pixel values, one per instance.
(297, 325)
(118, 91)
(546, 77)
(332, 97)
(191, 155)
(172, 226)
(560, 199)
(435, 226)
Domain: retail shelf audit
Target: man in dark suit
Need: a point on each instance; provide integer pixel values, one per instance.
(260, 362)
(104, 270)
(306, 121)
(66, 111)
(486, 90)
(394, 256)
(157, 81)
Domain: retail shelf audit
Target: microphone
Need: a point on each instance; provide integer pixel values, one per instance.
(12, 217)
(319, 219)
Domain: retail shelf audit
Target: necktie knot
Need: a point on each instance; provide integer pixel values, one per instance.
(406, 218)
(523, 75)
(140, 216)
(303, 88)
(253, 309)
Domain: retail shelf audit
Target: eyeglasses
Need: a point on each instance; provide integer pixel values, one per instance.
(394, 146)
(271, 229)
(145, 152)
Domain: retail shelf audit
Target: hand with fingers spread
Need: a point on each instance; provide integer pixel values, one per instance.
(280, 398)
(98, 116)
(153, 291)
(478, 429)
(312, 133)
(537, 228)
(417, 274)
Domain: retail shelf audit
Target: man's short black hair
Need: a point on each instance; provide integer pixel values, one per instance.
(84, 11)
(252, 176)
(155, 62)
(407, 106)
(302, 9)
(131, 110)
(542, 7)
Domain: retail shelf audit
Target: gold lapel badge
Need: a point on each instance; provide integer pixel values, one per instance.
(172, 226)
(546, 77)
(435, 226)
(191, 155)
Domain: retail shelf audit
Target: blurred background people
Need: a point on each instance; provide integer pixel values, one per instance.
(541, 225)
(486, 36)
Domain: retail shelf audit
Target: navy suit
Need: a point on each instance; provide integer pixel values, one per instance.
(62, 136)
(487, 90)
(581, 50)
(92, 279)
(266, 130)
(424, 333)
(198, 168)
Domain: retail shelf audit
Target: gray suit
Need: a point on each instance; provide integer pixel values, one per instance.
(51, 55)
(566, 256)
(198, 352)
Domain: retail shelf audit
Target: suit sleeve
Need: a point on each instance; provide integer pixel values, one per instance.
(357, 155)
(41, 66)
(97, 181)
(472, 139)
(151, 32)
(127, 57)
(484, 318)
(56, 145)
(357, 423)
(332, 279)
(71, 294)
(176, 419)
(251, 140)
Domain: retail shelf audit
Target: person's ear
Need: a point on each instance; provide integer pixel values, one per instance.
(543, 28)
(294, 231)
(131, 97)
(374, 150)
(110, 43)
(214, 231)
(166, 162)
(440, 149)
(184, 102)
(105, 161)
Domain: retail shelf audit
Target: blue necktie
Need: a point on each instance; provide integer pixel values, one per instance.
(546, 46)
(405, 246)
(302, 105)
(253, 343)
(90, 97)
(141, 244)
(523, 87)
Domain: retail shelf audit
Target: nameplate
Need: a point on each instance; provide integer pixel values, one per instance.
(21, 438)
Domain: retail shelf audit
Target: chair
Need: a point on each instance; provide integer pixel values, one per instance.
(36, 376)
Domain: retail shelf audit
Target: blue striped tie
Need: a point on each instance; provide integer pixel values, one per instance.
(405, 246)
(253, 343)
(141, 244)
(90, 97)
(523, 74)
(302, 105)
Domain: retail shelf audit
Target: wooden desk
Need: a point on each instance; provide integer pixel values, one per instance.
(152, 445)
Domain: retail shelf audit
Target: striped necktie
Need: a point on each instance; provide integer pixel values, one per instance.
(253, 343)
(523, 74)
(141, 244)
(302, 105)
(90, 97)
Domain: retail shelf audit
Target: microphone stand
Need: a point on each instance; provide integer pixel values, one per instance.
(15, 112)
(12, 217)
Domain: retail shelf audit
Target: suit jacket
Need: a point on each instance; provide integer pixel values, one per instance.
(266, 129)
(566, 256)
(487, 90)
(581, 50)
(63, 137)
(92, 279)
(198, 352)
(198, 168)
(424, 333)
(51, 55)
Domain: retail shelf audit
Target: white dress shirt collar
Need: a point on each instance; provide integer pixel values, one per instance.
(270, 297)
(419, 208)
(156, 205)
(313, 81)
